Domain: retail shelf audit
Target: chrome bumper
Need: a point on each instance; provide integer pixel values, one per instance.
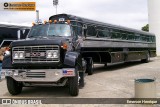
(40, 75)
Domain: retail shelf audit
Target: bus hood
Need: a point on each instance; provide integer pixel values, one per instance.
(36, 42)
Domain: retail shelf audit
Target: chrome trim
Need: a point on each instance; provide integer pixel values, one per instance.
(38, 50)
(38, 75)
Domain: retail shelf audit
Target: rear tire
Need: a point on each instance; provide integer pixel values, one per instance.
(13, 86)
(73, 84)
(90, 66)
(147, 58)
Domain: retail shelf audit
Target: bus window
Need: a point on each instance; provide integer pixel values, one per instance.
(79, 29)
(103, 33)
(148, 39)
(124, 36)
(100, 28)
(107, 32)
(137, 38)
(131, 37)
(91, 31)
(118, 35)
(73, 23)
(143, 38)
(100, 33)
(74, 29)
(153, 39)
(113, 35)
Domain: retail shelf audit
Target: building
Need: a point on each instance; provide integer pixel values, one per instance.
(154, 21)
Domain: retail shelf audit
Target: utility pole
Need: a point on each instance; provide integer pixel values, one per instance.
(37, 16)
(55, 3)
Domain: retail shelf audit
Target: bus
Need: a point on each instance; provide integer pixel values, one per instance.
(106, 43)
(9, 33)
(60, 51)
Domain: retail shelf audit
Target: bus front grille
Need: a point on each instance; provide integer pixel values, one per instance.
(35, 54)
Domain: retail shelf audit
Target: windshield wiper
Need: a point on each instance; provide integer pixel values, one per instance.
(56, 35)
(38, 37)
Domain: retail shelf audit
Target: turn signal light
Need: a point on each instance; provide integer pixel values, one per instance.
(64, 46)
(45, 22)
(50, 21)
(55, 21)
(33, 24)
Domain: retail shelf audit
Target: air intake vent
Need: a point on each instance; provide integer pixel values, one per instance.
(35, 74)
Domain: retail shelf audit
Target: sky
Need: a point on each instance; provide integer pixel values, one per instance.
(128, 13)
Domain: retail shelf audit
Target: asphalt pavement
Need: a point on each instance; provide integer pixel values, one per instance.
(114, 81)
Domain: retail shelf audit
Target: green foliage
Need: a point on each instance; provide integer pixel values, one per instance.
(146, 28)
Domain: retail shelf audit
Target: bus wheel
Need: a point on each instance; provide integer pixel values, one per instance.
(73, 84)
(13, 86)
(90, 66)
(147, 58)
(81, 81)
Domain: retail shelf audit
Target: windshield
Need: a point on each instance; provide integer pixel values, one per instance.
(50, 30)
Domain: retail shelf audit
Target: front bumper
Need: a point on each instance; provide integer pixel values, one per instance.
(38, 75)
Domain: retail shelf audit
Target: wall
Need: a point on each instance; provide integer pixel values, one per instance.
(154, 20)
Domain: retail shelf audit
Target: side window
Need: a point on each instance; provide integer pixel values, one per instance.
(116, 34)
(91, 31)
(103, 33)
(131, 37)
(153, 39)
(124, 36)
(137, 37)
(75, 29)
(79, 29)
(107, 32)
(113, 34)
(143, 38)
(148, 39)
(100, 33)
(74, 23)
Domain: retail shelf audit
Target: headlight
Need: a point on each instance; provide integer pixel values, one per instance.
(21, 55)
(18, 55)
(52, 54)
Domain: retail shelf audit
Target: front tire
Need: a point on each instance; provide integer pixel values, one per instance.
(13, 86)
(81, 81)
(73, 84)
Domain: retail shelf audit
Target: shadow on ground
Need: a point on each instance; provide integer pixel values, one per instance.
(118, 66)
(40, 92)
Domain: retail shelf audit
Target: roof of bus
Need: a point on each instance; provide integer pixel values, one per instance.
(85, 20)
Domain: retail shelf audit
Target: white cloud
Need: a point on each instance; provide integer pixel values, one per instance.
(130, 13)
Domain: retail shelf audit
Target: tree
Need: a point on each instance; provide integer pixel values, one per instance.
(146, 28)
